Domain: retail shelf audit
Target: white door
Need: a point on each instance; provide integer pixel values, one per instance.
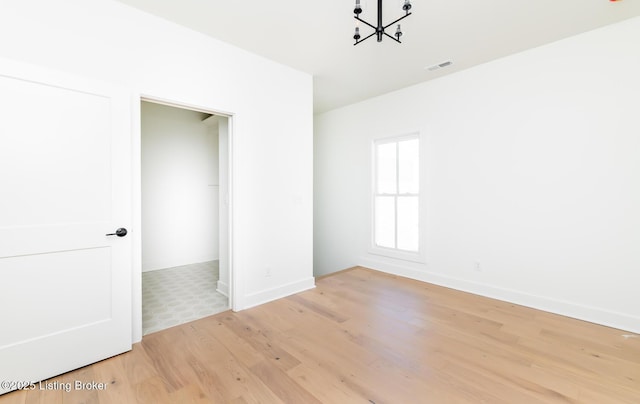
(65, 172)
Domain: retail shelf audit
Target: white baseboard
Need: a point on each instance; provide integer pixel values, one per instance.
(596, 315)
(269, 295)
(223, 288)
(159, 265)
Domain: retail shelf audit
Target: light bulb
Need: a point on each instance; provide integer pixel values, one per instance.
(357, 10)
(398, 32)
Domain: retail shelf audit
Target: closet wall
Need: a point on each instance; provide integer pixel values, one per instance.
(179, 187)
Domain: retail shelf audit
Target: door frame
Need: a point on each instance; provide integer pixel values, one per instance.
(136, 122)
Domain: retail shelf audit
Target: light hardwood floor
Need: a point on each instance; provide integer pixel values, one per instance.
(366, 337)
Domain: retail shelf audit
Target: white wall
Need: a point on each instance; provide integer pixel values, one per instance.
(180, 187)
(531, 167)
(271, 106)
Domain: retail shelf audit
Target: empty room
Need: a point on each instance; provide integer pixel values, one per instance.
(393, 201)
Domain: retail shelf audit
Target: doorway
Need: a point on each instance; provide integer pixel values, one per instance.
(184, 188)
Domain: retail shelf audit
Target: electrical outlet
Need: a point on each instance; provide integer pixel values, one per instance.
(267, 272)
(477, 266)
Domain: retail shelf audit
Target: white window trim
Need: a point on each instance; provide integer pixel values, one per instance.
(395, 253)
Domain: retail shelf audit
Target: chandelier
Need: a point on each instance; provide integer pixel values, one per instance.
(379, 29)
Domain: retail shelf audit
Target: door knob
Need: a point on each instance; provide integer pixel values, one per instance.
(121, 232)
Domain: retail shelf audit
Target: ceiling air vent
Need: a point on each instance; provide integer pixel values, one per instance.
(439, 65)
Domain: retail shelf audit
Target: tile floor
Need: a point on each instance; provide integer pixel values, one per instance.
(178, 295)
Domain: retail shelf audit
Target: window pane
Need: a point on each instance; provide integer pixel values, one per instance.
(386, 168)
(408, 223)
(385, 221)
(409, 166)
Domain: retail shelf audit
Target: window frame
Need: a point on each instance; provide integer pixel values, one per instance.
(414, 256)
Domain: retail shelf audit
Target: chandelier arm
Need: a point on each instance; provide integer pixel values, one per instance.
(364, 22)
(401, 18)
(397, 40)
(365, 38)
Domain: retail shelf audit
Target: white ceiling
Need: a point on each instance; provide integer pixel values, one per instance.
(316, 36)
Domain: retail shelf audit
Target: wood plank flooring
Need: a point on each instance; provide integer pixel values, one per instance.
(366, 337)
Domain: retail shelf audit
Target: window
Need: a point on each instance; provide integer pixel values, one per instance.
(396, 199)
